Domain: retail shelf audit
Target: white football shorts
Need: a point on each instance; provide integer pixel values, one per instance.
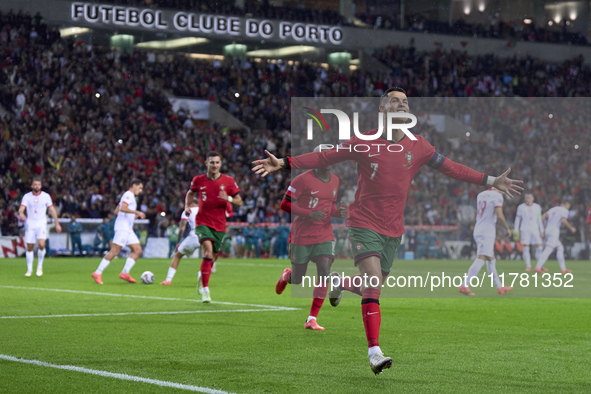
(553, 240)
(124, 238)
(35, 233)
(485, 245)
(189, 245)
(528, 237)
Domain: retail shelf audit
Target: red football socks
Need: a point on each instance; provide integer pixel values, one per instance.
(347, 284)
(372, 316)
(206, 265)
(319, 296)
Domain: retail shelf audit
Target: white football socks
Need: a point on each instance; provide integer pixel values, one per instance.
(104, 264)
(40, 257)
(539, 250)
(560, 257)
(473, 270)
(372, 350)
(492, 269)
(171, 272)
(30, 256)
(311, 318)
(128, 265)
(527, 256)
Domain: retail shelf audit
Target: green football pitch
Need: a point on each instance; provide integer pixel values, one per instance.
(63, 333)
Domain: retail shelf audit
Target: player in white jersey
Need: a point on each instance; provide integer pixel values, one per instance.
(37, 203)
(529, 229)
(187, 247)
(124, 236)
(489, 208)
(556, 217)
(189, 244)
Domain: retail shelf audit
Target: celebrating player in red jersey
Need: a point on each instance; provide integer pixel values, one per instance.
(375, 219)
(215, 190)
(309, 198)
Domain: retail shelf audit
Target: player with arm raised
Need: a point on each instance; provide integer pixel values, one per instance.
(556, 216)
(375, 219)
(311, 198)
(490, 208)
(214, 191)
(124, 235)
(36, 203)
(529, 228)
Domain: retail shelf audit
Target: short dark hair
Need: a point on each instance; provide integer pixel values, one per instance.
(387, 92)
(37, 179)
(213, 153)
(136, 181)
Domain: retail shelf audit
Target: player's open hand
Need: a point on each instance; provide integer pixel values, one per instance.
(318, 215)
(223, 195)
(58, 228)
(22, 217)
(268, 165)
(141, 215)
(506, 185)
(342, 210)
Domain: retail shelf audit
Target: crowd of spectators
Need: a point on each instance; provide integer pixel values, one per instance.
(87, 119)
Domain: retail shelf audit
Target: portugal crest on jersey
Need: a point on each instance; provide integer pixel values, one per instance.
(222, 187)
(334, 192)
(408, 156)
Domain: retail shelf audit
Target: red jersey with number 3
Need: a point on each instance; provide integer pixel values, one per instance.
(212, 209)
(310, 192)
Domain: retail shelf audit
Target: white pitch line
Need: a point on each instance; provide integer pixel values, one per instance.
(141, 313)
(284, 308)
(121, 376)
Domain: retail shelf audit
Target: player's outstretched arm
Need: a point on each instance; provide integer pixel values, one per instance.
(266, 166)
(506, 185)
(464, 173)
(307, 161)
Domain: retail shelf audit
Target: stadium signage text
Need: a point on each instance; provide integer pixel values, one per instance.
(205, 24)
(345, 124)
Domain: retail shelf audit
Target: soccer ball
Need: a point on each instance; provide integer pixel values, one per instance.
(147, 278)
